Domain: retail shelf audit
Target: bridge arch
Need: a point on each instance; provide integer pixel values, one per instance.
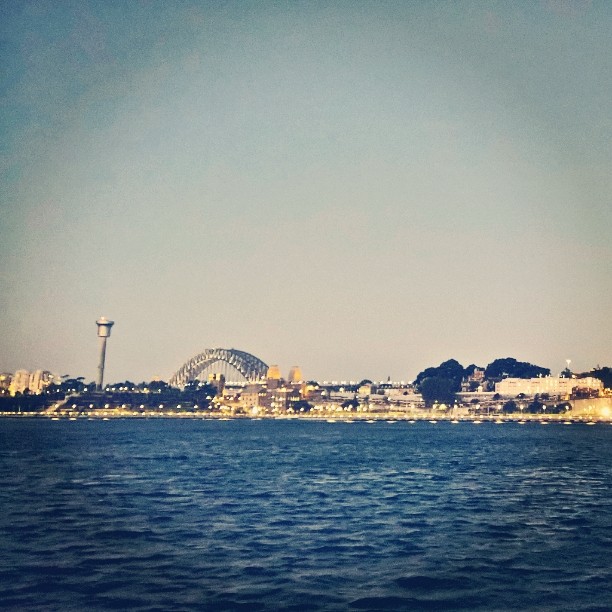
(249, 366)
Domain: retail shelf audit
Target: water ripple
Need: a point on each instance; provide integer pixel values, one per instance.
(269, 515)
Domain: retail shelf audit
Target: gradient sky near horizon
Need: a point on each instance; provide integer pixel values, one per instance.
(363, 189)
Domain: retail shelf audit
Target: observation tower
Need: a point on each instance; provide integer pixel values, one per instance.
(104, 332)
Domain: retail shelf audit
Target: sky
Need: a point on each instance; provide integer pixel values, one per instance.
(363, 189)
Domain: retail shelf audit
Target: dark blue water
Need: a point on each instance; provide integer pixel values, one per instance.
(278, 515)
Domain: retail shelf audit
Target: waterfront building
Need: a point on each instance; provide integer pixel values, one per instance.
(593, 408)
(478, 375)
(403, 397)
(39, 380)
(365, 390)
(34, 382)
(273, 378)
(217, 381)
(5, 381)
(251, 395)
(475, 381)
(313, 393)
(552, 385)
(20, 382)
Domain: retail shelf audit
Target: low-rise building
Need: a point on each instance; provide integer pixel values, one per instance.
(552, 385)
(5, 381)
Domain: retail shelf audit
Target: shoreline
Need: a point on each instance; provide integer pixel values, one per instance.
(105, 415)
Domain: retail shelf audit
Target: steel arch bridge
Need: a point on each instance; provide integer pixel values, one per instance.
(249, 366)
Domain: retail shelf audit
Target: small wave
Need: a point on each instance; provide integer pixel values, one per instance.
(383, 603)
(123, 534)
(429, 583)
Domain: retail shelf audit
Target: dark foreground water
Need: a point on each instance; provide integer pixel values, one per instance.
(271, 515)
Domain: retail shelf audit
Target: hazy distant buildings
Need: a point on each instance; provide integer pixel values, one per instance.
(5, 382)
(39, 380)
(273, 378)
(275, 394)
(217, 381)
(23, 381)
(20, 382)
(475, 381)
(250, 396)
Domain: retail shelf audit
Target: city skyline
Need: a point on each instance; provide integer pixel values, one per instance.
(221, 360)
(363, 190)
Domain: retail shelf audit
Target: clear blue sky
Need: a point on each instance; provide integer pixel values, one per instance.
(363, 189)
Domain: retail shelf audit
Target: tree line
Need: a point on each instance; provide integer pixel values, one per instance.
(441, 384)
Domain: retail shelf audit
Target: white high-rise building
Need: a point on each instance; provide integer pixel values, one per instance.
(20, 382)
(39, 380)
(34, 382)
(5, 381)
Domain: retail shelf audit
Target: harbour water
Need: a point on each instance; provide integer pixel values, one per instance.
(301, 515)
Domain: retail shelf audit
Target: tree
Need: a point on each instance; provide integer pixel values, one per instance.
(126, 385)
(302, 406)
(535, 407)
(470, 369)
(450, 369)
(437, 389)
(351, 404)
(196, 392)
(509, 367)
(440, 384)
(604, 374)
(73, 385)
(509, 407)
(157, 386)
(562, 408)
